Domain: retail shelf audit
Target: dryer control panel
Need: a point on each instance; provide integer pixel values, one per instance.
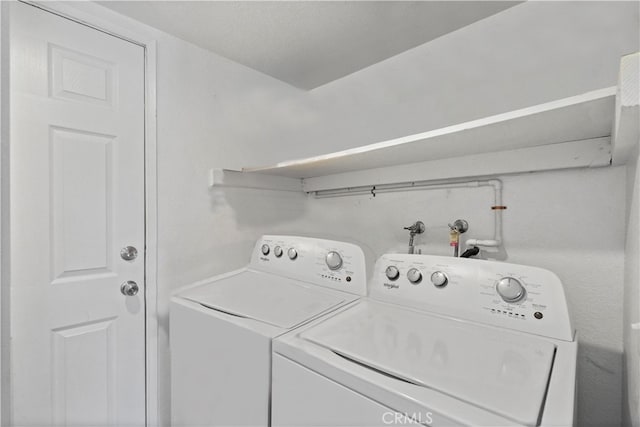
(328, 263)
(523, 298)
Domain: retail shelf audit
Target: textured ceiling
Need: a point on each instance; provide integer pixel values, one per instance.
(308, 43)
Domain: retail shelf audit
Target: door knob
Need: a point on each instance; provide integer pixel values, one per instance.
(128, 253)
(129, 288)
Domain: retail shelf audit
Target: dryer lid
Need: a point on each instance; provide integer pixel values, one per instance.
(503, 372)
(267, 298)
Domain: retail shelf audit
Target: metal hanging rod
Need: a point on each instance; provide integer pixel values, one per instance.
(401, 186)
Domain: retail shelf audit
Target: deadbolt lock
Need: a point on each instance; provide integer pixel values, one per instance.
(128, 253)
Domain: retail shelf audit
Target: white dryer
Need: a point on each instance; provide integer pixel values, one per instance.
(221, 328)
(440, 341)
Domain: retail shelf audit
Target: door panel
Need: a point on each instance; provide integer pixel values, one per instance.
(77, 197)
(84, 382)
(82, 204)
(79, 77)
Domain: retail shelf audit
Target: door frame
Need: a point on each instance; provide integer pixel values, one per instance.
(4, 215)
(106, 21)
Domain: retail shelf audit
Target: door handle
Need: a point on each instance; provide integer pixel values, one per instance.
(129, 288)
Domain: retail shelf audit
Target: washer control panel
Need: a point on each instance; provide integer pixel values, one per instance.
(524, 298)
(329, 263)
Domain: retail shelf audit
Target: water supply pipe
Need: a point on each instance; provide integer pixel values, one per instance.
(497, 208)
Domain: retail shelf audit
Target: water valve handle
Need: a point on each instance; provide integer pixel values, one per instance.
(460, 225)
(416, 228)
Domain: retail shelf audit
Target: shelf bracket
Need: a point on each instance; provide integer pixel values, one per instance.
(237, 179)
(626, 127)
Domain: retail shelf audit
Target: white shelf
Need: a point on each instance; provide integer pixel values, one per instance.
(579, 118)
(627, 119)
(576, 154)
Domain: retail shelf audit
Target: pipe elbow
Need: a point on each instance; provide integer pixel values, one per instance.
(495, 183)
(483, 243)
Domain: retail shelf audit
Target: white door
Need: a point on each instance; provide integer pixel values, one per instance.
(77, 198)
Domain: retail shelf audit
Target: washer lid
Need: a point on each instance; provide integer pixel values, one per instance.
(503, 372)
(267, 298)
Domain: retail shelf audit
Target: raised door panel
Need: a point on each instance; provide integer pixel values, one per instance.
(81, 77)
(84, 364)
(82, 204)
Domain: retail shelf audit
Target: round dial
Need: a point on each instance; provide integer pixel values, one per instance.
(392, 272)
(333, 260)
(438, 278)
(510, 289)
(292, 253)
(265, 249)
(414, 275)
(277, 251)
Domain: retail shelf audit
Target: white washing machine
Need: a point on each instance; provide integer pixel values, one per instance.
(440, 341)
(221, 328)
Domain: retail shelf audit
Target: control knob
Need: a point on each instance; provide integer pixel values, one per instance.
(392, 272)
(265, 249)
(277, 251)
(414, 276)
(510, 289)
(333, 260)
(439, 279)
(292, 253)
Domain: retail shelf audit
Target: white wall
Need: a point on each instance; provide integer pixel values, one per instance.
(631, 402)
(529, 54)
